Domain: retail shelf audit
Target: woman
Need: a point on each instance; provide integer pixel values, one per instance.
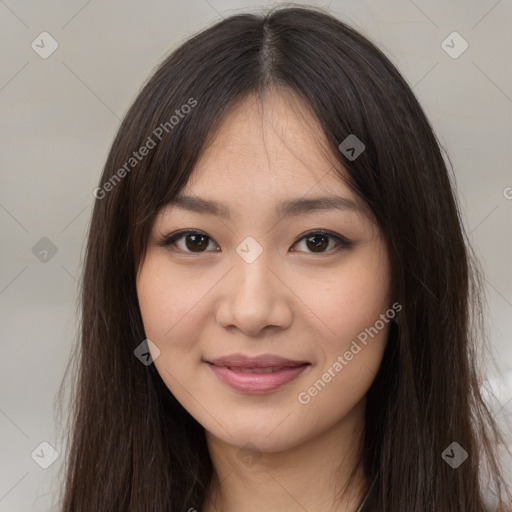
(277, 291)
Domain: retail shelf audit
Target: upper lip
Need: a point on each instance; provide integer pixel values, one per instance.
(262, 361)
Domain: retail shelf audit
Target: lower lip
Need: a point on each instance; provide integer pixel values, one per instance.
(257, 382)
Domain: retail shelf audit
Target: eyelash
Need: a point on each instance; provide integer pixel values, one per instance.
(342, 242)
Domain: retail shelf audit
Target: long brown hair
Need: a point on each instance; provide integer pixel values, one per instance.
(132, 446)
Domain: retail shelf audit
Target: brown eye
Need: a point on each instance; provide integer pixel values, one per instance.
(196, 243)
(318, 242)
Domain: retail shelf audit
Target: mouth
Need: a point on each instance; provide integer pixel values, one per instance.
(256, 370)
(256, 375)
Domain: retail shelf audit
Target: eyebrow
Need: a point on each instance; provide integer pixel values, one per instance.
(289, 208)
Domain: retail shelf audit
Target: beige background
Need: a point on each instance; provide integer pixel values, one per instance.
(58, 119)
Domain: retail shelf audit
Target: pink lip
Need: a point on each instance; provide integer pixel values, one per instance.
(235, 371)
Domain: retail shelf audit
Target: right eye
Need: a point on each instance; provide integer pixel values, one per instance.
(195, 241)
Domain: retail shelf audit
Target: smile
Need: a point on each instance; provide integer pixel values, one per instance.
(257, 379)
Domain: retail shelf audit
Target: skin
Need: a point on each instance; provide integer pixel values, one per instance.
(291, 301)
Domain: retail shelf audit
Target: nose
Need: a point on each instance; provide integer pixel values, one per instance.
(255, 298)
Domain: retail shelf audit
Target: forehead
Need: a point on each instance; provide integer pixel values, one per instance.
(265, 147)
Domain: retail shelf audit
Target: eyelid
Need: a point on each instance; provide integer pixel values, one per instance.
(342, 242)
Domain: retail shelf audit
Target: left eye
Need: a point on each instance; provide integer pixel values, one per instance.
(318, 241)
(197, 241)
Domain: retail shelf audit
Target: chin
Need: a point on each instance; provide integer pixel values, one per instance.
(266, 438)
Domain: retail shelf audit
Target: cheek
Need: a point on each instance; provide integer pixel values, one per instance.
(170, 306)
(351, 351)
(169, 301)
(354, 298)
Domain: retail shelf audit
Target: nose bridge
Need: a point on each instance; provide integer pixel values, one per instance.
(254, 294)
(252, 272)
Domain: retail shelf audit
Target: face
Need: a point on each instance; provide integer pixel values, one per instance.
(271, 322)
